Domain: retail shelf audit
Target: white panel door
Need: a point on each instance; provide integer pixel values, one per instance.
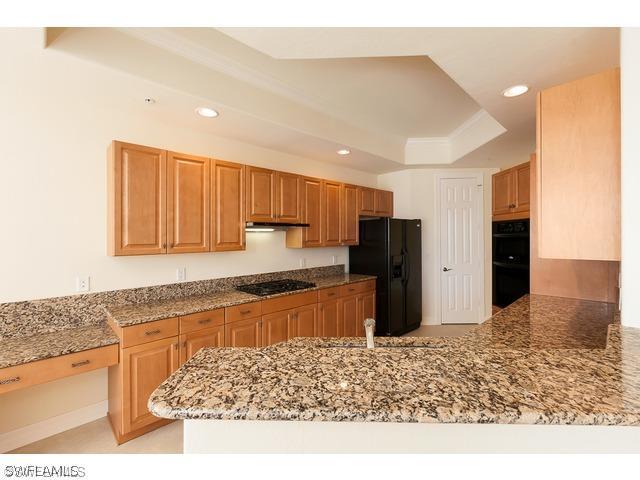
(460, 258)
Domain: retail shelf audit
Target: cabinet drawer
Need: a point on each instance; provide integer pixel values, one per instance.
(148, 332)
(240, 312)
(288, 302)
(360, 287)
(21, 376)
(328, 293)
(198, 321)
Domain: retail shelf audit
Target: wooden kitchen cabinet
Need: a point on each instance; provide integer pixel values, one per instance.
(331, 214)
(261, 194)
(243, 333)
(578, 169)
(311, 197)
(304, 321)
(366, 201)
(136, 203)
(383, 203)
(348, 316)
(275, 327)
(141, 369)
(288, 203)
(188, 203)
(366, 308)
(191, 342)
(350, 216)
(510, 198)
(228, 225)
(329, 317)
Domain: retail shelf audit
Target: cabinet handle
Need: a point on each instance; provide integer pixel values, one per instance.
(164, 245)
(331, 294)
(352, 289)
(184, 344)
(80, 364)
(7, 381)
(175, 345)
(152, 332)
(204, 321)
(244, 312)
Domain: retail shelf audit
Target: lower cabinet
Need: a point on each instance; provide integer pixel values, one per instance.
(329, 313)
(191, 342)
(276, 327)
(305, 321)
(366, 308)
(243, 333)
(348, 316)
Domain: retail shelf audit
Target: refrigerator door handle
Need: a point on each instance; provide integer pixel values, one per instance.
(405, 267)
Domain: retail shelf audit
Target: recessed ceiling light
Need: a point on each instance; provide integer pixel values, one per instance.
(344, 151)
(515, 91)
(206, 112)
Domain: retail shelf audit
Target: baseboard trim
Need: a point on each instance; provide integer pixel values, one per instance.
(51, 426)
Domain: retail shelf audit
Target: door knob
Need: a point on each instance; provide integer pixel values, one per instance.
(445, 269)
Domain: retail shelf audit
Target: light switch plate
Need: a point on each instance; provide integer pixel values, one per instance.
(303, 262)
(334, 259)
(83, 283)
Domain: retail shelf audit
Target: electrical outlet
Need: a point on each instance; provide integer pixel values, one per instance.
(181, 274)
(303, 262)
(83, 283)
(334, 259)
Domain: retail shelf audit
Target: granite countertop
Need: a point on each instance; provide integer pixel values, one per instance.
(19, 350)
(543, 360)
(135, 313)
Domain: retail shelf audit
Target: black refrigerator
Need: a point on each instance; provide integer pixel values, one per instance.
(391, 249)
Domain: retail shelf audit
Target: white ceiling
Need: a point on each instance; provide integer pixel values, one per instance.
(310, 91)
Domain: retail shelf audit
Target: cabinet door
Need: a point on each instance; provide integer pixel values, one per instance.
(349, 316)
(366, 309)
(191, 342)
(329, 313)
(522, 178)
(289, 203)
(261, 195)
(243, 333)
(331, 213)
(366, 201)
(383, 203)
(350, 217)
(227, 232)
(145, 367)
(305, 321)
(578, 169)
(312, 212)
(275, 327)
(188, 203)
(502, 192)
(137, 200)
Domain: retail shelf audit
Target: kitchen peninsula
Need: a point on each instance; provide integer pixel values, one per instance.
(546, 374)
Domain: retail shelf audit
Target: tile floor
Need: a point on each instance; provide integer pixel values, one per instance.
(96, 437)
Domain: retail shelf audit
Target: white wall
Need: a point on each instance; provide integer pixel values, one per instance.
(55, 127)
(630, 266)
(414, 197)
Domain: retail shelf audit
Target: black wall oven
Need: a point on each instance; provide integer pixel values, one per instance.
(510, 261)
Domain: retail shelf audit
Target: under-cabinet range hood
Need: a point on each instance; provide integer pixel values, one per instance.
(271, 226)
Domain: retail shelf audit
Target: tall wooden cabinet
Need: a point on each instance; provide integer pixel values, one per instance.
(136, 203)
(227, 228)
(511, 199)
(578, 169)
(188, 203)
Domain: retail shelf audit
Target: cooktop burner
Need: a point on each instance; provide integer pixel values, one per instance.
(276, 286)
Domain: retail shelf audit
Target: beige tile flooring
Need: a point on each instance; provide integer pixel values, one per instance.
(96, 437)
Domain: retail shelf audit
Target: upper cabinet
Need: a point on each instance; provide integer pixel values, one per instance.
(261, 195)
(578, 169)
(188, 202)
(510, 188)
(136, 178)
(383, 203)
(331, 213)
(311, 213)
(288, 203)
(366, 201)
(350, 216)
(227, 228)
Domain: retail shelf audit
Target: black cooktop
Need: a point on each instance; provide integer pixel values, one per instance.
(276, 286)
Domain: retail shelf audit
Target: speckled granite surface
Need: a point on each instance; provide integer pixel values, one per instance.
(19, 319)
(125, 315)
(544, 360)
(19, 350)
